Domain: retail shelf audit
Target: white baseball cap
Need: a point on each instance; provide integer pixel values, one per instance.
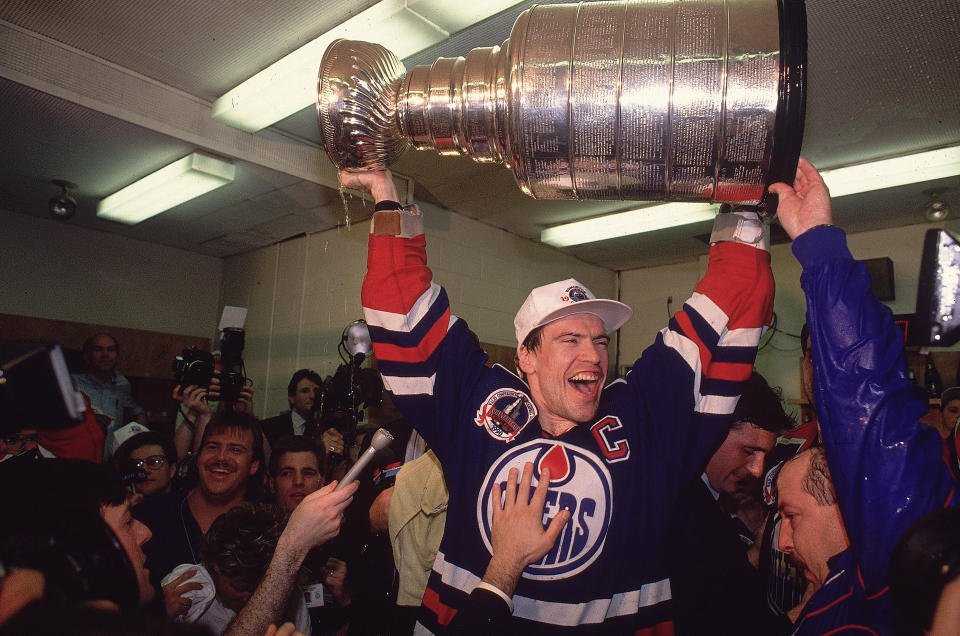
(565, 298)
(122, 434)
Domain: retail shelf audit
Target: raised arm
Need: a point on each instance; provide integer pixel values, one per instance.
(692, 376)
(886, 467)
(409, 315)
(314, 521)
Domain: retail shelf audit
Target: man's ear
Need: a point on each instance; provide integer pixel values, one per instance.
(290, 399)
(526, 359)
(272, 485)
(254, 467)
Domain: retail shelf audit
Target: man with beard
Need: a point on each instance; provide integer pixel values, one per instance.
(231, 453)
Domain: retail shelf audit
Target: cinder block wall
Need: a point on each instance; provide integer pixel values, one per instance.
(303, 292)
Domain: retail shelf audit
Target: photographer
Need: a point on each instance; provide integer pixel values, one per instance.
(201, 404)
(346, 396)
(204, 378)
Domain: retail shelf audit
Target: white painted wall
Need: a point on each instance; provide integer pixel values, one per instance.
(646, 290)
(60, 271)
(303, 292)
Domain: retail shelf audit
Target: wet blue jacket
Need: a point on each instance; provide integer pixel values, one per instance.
(886, 466)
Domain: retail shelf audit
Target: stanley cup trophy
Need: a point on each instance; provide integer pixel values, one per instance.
(682, 100)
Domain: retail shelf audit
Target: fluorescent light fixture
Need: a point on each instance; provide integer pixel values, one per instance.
(290, 84)
(890, 173)
(656, 217)
(184, 179)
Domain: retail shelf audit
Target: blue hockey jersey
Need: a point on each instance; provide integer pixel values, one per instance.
(619, 475)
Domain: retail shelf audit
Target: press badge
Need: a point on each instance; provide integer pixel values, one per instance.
(317, 595)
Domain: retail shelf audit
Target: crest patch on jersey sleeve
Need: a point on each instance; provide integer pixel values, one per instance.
(505, 412)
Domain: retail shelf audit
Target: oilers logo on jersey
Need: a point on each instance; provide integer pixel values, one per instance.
(505, 412)
(579, 482)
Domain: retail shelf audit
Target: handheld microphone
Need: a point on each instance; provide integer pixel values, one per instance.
(381, 439)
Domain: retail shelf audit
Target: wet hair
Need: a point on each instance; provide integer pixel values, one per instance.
(88, 343)
(762, 405)
(148, 438)
(817, 482)
(294, 444)
(241, 543)
(303, 374)
(925, 559)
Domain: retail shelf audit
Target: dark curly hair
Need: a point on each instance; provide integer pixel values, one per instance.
(241, 543)
(762, 405)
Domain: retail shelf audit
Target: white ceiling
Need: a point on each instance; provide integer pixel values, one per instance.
(101, 92)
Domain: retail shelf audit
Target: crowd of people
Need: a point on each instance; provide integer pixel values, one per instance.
(680, 499)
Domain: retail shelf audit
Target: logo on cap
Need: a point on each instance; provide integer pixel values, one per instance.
(575, 294)
(579, 482)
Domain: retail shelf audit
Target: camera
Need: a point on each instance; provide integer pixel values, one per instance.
(130, 473)
(232, 378)
(38, 387)
(193, 366)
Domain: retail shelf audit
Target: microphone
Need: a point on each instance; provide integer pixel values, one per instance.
(381, 439)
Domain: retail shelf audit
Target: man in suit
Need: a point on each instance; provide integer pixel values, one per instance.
(303, 392)
(716, 587)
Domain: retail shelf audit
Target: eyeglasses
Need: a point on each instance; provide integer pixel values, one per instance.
(154, 462)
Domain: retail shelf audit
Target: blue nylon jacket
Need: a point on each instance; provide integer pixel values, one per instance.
(886, 466)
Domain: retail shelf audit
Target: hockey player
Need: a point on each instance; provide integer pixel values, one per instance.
(843, 516)
(617, 456)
